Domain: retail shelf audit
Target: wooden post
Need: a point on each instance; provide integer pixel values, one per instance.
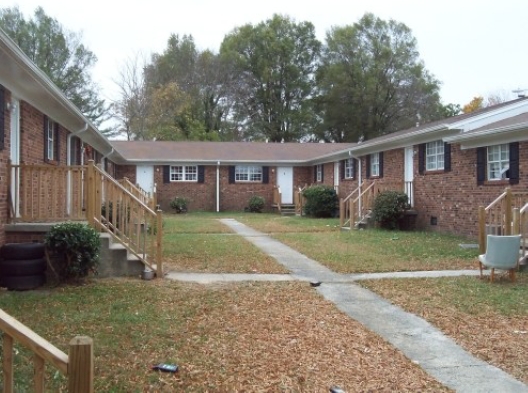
(39, 377)
(341, 212)
(9, 380)
(90, 193)
(352, 207)
(81, 365)
(482, 229)
(159, 250)
(508, 212)
(516, 221)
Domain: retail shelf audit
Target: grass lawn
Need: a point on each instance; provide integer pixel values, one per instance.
(279, 337)
(273, 337)
(199, 242)
(488, 320)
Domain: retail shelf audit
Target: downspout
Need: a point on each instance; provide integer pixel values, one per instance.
(69, 163)
(218, 186)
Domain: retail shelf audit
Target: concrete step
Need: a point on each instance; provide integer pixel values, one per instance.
(115, 261)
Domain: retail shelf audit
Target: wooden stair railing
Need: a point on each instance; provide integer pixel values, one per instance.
(146, 197)
(299, 200)
(359, 202)
(112, 209)
(498, 217)
(277, 198)
(78, 366)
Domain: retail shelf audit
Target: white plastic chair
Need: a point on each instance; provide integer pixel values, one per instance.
(502, 252)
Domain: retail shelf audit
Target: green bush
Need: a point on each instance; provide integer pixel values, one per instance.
(77, 245)
(321, 201)
(179, 204)
(389, 208)
(256, 204)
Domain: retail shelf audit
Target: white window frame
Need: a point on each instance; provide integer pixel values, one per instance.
(248, 173)
(434, 156)
(184, 173)
(374, 164)
(349, 168)
(498, 162)
(50, 139)
(319, 173)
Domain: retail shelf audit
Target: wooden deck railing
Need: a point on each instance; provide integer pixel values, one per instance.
(78, 366)
(110, 208)
(46, 193)
(498, 217)
(360, 201)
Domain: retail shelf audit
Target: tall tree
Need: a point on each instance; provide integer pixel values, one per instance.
(61, 55)
(201, 77)
(371, 82)
(132, 107)
(474, 105)
(274, 64)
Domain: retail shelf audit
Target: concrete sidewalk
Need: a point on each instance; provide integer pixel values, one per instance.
(421, 342)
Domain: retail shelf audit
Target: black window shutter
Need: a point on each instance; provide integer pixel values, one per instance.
(367, 169)
(322, 173)
(421, 159)
(201, 174)
(56, 137)
(315, 173)
(481, 165)
(2, 117)
(265, 174)
(380, 164)
(447, 157)
(514, 163)
(45, 132)
(231, 174)
(342, 169)
(166, 174)
(354, 170)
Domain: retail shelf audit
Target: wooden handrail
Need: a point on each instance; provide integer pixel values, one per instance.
(78, 366)
(125, 218)
(503, 216)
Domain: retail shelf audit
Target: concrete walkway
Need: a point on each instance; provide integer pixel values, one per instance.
(421, 342)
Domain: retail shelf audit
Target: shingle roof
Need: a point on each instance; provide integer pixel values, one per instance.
(226, 152)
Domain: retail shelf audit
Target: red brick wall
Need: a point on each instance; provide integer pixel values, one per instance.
(4, 159)
(453, 197)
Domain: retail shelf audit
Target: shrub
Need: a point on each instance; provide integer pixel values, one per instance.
(179, 204)
(389, 208)
(256, 204)
(107, 211)
(321, 201)
(77, 245)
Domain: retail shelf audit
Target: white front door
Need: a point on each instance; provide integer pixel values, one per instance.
(15, 152)
(409, 174)
(145, 177)
(285, 182)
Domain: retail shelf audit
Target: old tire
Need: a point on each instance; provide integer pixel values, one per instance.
(23, 267)
(18, 251)
(22, 282)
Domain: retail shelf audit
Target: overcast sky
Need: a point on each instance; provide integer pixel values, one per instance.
(472, 47)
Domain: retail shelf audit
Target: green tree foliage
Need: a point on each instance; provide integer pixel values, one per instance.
(61, 55)
(200, 77)
(274, 65)
(372, 82)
